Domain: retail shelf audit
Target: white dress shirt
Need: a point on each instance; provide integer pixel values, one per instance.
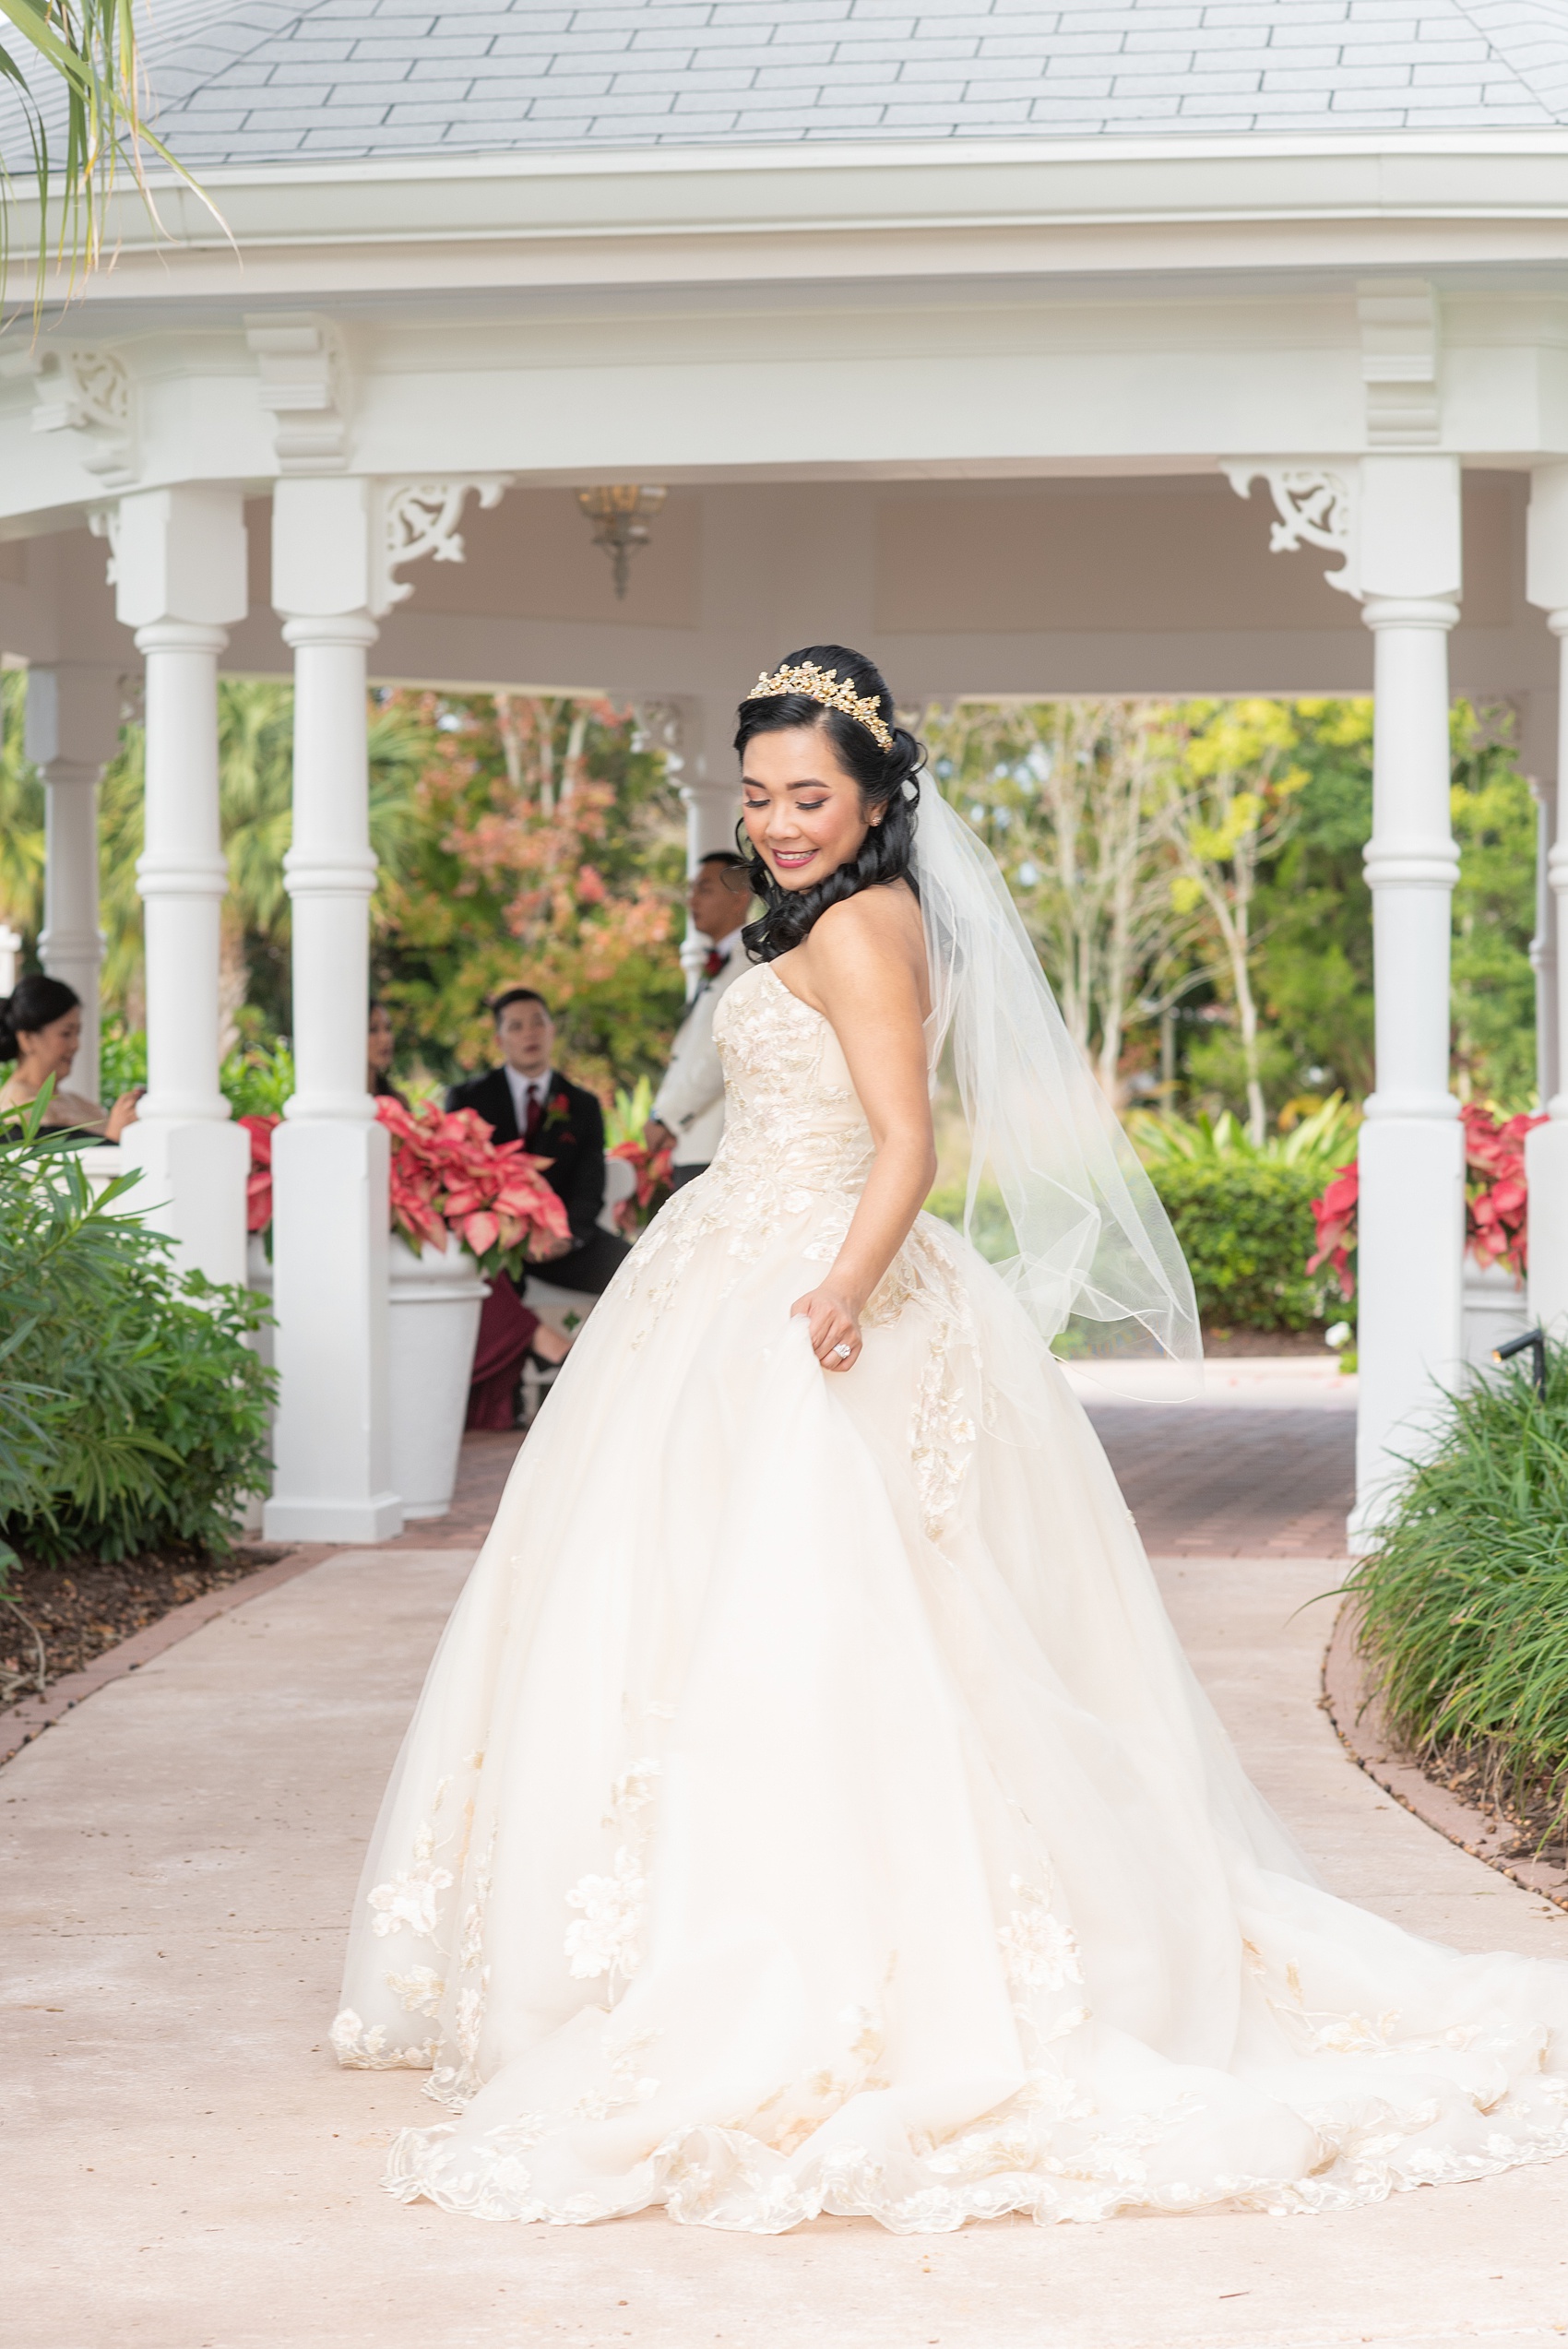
(691, 1099)
(524, 1089)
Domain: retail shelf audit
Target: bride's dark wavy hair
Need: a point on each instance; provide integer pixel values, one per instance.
(887, 851)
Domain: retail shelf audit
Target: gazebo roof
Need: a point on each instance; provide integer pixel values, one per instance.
(260, 82)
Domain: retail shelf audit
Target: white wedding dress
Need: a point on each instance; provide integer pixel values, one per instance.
(810, 1809)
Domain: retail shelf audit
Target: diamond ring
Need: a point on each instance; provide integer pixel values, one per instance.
(843, 1352)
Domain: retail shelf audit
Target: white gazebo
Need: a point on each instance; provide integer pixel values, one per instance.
(1139, 347)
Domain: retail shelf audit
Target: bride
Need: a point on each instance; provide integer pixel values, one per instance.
(808, 1807)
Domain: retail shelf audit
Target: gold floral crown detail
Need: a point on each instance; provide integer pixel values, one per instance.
(823, 686)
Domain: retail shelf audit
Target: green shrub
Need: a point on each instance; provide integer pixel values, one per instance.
(1464, 1602)
(992, 1229)
(1246, 1228)
(135, 1412)
(1245, 1225)
(1323, 1139)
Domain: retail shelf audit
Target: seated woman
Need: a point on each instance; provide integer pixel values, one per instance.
(381, 1051)
(41, 1026)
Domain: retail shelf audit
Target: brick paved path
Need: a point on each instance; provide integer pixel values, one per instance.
(1232, 1483)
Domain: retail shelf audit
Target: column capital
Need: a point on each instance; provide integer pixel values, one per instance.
(179, 554)
(354, 628)
(1410, 612)
(1546, 541)
(74, 714)
(181, 635)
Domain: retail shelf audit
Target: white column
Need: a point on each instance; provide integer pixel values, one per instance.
(180, 573)
(1535, 716)
(1545, 1151)
(1543, 945)
(334, 1478)
(1411, 1155)
(73, 730)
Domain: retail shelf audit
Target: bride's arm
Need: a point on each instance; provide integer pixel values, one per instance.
(863, 966)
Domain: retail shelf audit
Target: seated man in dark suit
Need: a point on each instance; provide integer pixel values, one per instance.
(527, 1100)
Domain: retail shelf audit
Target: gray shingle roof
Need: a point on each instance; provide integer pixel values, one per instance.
(259, 81)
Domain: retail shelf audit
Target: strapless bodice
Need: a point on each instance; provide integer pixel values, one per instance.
(792, 1115)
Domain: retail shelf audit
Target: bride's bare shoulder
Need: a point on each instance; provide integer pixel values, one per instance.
(876, 929)
(880, 920)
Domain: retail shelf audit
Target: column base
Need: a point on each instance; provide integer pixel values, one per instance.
(1410, 1338)
(377, 1518)
(192, 1187)
(332, 1440)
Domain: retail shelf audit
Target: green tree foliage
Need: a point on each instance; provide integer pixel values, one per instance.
(135, 1408)
(255, 768)
(1224, 892)
(1069, 796)
(1227, 808)
(21, 816)
(1314, 916)
(1494, 906)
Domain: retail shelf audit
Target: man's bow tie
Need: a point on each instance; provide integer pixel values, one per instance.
(714, 963)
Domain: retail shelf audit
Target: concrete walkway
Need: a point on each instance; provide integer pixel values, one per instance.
(189, 2171)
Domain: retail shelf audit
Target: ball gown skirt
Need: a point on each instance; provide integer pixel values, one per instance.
(810, 1809)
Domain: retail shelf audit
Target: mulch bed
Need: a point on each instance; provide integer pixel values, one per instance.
(75, 1612)
(1477, 1775)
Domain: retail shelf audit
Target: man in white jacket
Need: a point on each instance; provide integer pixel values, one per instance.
(688, 1109)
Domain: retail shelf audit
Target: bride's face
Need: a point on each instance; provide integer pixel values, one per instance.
(802, 809)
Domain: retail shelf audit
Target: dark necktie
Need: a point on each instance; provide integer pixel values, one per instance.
(535, 1117)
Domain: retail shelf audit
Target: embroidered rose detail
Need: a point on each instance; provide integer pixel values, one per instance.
(1037, 1951)
(605, 1939)
(411, 1900)
(420, 1989)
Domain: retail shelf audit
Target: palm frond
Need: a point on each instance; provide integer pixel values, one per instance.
(78, 67)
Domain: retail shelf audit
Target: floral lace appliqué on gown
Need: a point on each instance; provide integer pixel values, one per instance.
(810, 1809)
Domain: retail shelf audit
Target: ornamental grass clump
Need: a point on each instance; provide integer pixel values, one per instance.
(1463, 1607)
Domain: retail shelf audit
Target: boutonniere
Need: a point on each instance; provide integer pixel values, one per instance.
(558, 1111)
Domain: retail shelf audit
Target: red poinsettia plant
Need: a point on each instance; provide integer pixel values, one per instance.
(651, 1168)
(1335, 1215)
(449, 1177)
(1496, 1200)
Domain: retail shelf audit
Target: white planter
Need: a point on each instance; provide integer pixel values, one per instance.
(1496, 1308)
(433, 1323)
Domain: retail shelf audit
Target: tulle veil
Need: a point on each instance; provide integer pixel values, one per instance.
(1095, 1263)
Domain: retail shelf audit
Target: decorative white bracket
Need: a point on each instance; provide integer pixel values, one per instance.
(304, 384)
(80, 389)
(1398, 319)
(1316, 506)
(418, 518)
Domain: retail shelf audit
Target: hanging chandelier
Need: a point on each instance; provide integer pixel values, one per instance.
(621, 515)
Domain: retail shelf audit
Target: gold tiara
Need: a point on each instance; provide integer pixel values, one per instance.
(822, 685)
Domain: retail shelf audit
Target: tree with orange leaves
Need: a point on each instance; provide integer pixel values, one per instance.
(545, 851)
